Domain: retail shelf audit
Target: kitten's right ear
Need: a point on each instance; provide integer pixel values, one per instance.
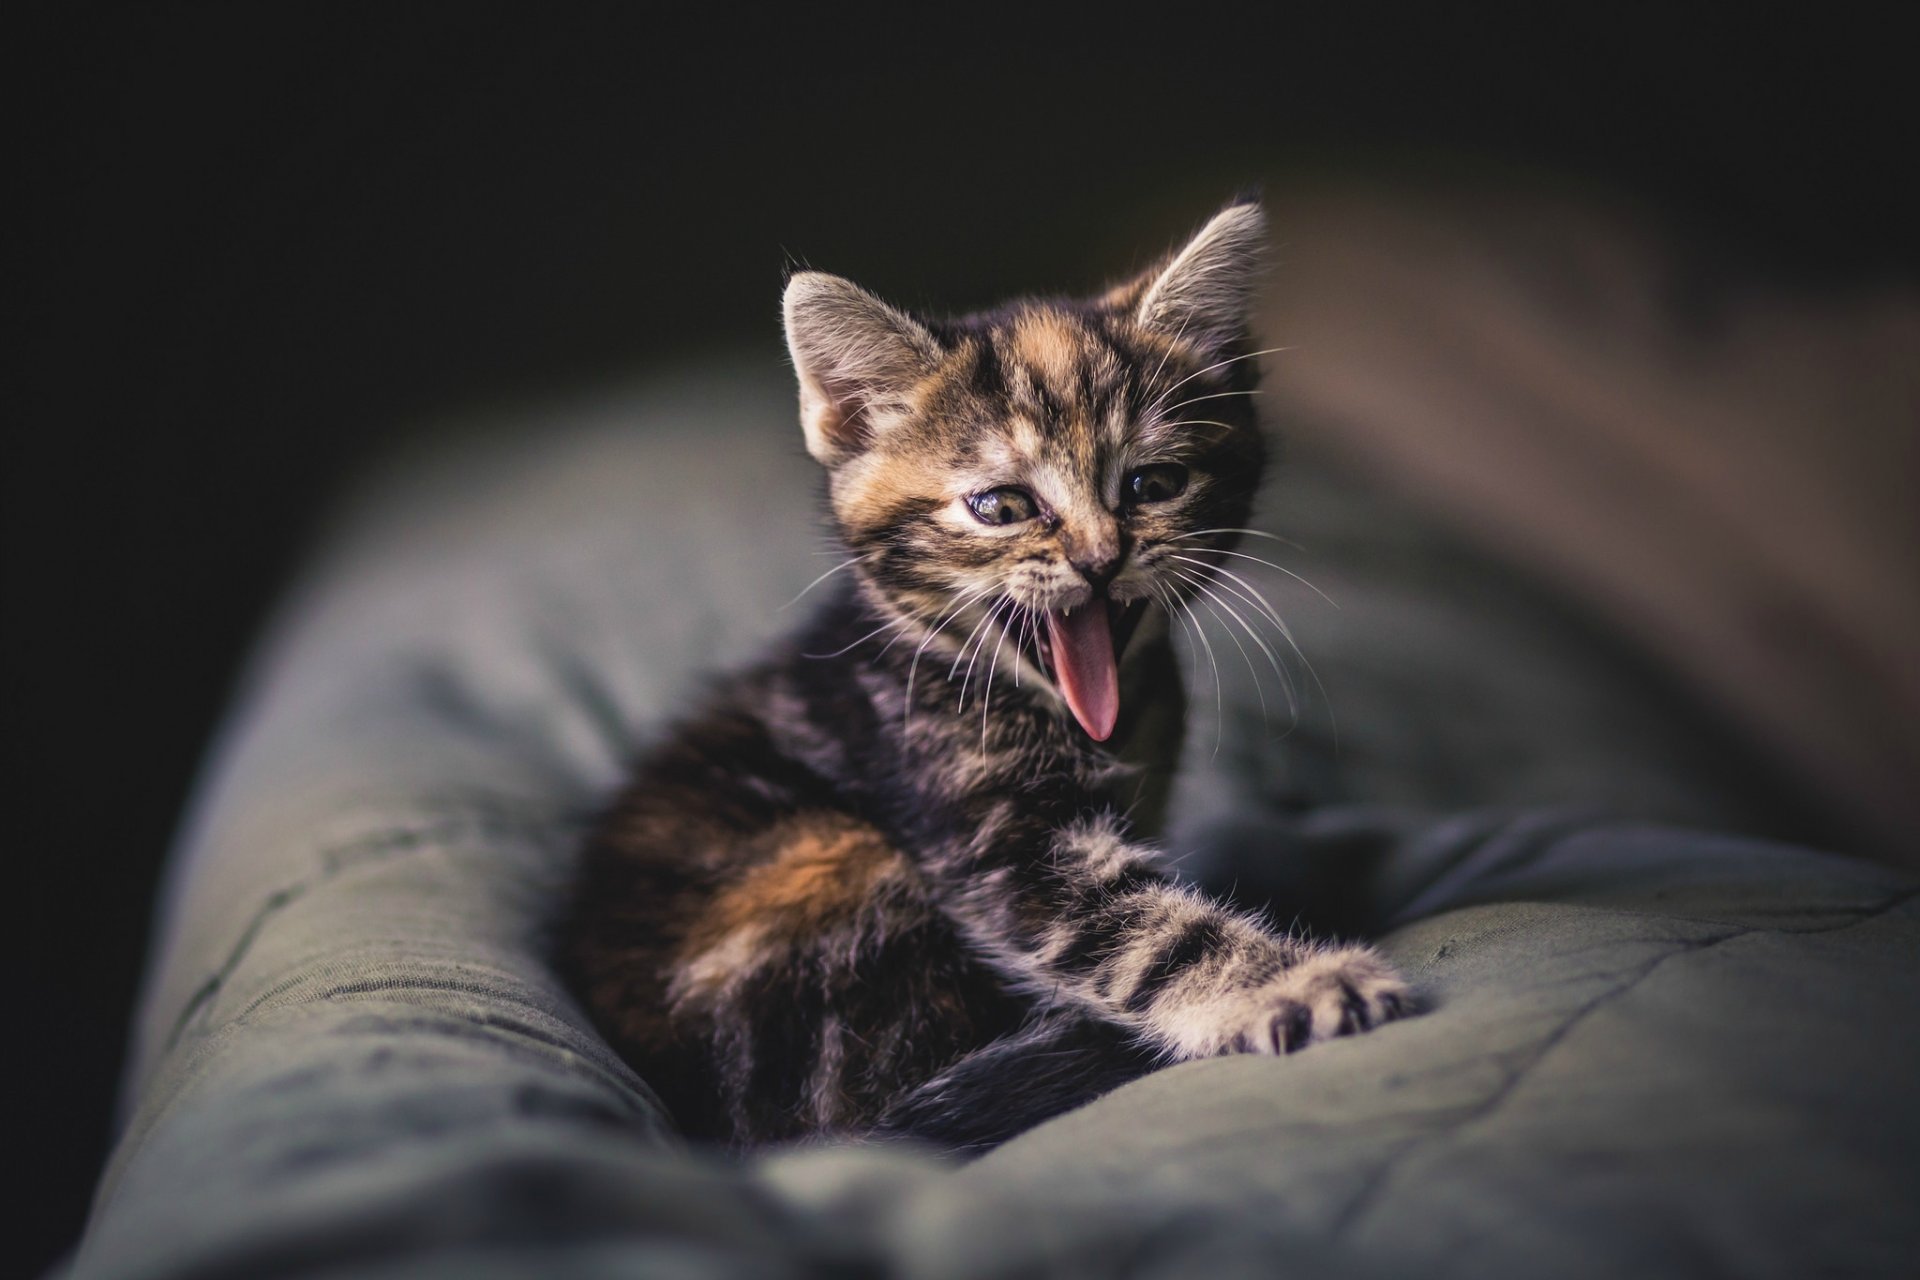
(857, 357)
(1203, 289)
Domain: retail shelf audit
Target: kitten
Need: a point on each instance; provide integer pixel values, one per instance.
(885, 883)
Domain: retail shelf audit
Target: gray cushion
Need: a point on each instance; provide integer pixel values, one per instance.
(1651, 1050)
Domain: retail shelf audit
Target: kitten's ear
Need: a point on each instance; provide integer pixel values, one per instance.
(857, 358)
(1203, 290)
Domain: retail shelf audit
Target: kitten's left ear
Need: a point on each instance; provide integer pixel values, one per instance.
(1203, 290)
(858, 360)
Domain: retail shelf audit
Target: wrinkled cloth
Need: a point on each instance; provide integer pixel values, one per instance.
(1650, 1047)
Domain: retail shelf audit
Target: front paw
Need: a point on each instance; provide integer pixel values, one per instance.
(1337, 992)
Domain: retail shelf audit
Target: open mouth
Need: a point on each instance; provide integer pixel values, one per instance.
(1080, 650)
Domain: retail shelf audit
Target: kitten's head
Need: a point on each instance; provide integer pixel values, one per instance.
(1045, 472)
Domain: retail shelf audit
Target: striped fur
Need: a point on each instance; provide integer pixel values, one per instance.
(885, 881)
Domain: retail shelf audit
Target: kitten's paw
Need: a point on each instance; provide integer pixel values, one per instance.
(1337, 992)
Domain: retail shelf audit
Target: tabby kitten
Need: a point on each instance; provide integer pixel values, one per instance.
(886, 883)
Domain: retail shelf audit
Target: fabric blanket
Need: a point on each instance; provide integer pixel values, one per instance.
(1650, 1048)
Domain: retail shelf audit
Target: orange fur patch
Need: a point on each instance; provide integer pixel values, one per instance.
(824, 869)
(1049, 344)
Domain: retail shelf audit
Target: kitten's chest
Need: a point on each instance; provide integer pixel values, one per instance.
(1036, 760)
(1148, 743)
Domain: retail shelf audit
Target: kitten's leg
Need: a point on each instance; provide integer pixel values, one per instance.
(1055, 1063)
(1090, 917)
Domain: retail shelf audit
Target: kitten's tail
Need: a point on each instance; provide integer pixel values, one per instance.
(1055, 1063)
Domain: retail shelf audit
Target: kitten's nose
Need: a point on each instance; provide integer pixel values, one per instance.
(1097, 558)
(1098, 572)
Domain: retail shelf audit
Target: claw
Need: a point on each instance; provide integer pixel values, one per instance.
(1353, 1011)
(1292, 1029)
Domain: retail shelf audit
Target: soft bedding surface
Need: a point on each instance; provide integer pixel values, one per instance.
(1651, 1050)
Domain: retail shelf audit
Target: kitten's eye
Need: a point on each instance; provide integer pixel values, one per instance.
(1003, 506)
(1156, 483)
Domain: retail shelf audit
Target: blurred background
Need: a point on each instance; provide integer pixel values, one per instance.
(1626, 295)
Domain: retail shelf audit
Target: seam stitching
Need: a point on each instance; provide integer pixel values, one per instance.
(1369, 1191)
(334, 860)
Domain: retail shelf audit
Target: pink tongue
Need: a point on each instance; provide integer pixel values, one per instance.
(1083, 658)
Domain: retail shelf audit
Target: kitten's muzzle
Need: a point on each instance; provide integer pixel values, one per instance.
(1098, 573)
(1098, 560)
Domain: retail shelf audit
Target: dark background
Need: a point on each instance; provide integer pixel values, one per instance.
(262, 243)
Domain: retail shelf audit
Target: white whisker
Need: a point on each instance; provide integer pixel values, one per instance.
(845, 564)
(1177, 334)
(1248, 591)
(1167, 603)
(983, 629)
(1219, 364)
(1286, 634)
(1195, 422)
(913, 667)
(1217, 395)
(959, 657)
(1273, 659)
(986, 699)
(1251, 533)
(1219, 697)
(899, 622)
(1258, 690)
(1278, 568)
(1029, 643)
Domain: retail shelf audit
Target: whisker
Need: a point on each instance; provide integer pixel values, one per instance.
(1246, 657)
(1251, 533)
(918, 616)
(896, 639)
(986, 699)
(1278, 568)
(1286, 681)
(983, 629)
(965, 644)
(900, 622)
(1220, 364)
(1195, 422)
(1216, 395)
(1248, 591)
(1219, 685)
(1265, 611)
(1029, 642)
(1286, 634)
(1177, 335)
(1219, 697)
(1161, 594)
(845, 564)
(1019, 641)
(913, 668)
